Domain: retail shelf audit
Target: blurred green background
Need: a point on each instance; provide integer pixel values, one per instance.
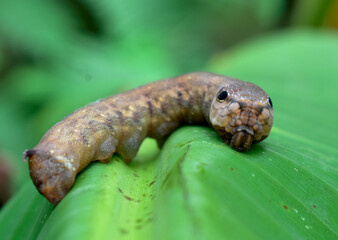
(56, 56)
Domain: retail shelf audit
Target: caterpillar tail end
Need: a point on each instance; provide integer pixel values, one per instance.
(50, 176)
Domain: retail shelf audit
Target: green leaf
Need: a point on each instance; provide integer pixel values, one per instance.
(23, 216)
(207, 190)
(101, 192)
(108, 201)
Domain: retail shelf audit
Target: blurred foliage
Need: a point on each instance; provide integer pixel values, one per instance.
(5, 173)
(58, 56)
(316, 13)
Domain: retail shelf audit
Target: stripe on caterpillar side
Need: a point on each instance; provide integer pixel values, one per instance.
(239, 111)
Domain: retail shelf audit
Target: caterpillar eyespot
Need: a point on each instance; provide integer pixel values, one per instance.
(223, 94)
(120, 123)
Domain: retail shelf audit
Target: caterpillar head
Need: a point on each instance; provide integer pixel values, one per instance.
(242, 114)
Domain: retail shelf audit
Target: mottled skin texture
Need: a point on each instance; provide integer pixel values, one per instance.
(119, 124)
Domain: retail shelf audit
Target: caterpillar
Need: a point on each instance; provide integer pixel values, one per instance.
(241, 112)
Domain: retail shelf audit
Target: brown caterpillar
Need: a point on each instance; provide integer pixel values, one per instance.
(239, 111)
